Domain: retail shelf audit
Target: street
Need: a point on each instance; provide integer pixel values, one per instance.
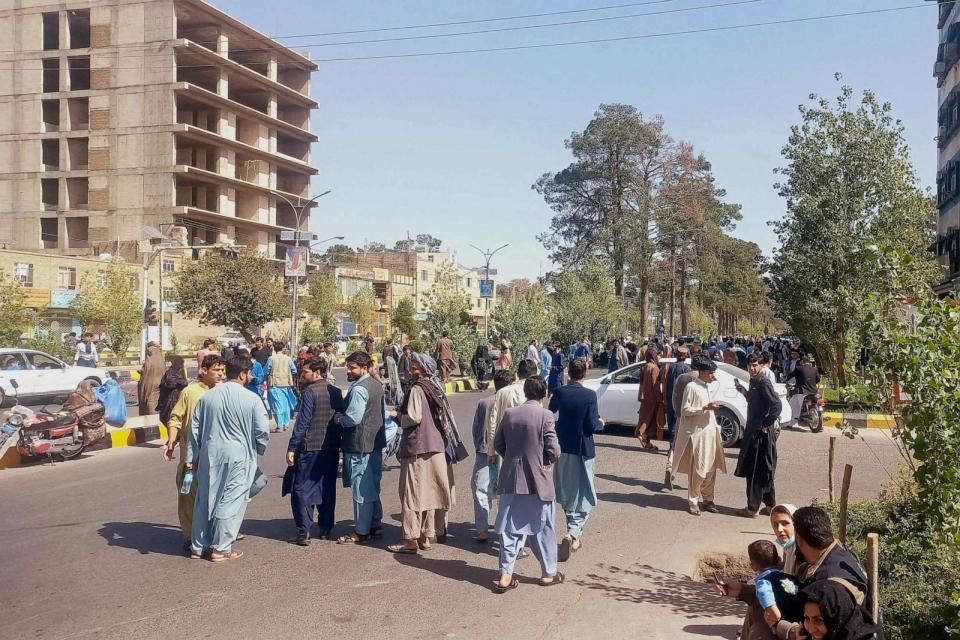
(91, 549)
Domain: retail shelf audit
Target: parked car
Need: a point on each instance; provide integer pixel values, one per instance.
(618, 404)
(232, 338)
(40, 375)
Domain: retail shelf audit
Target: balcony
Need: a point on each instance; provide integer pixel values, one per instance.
(192, 133)
(197, 93)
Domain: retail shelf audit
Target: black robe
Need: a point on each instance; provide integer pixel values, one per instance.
(758, 452)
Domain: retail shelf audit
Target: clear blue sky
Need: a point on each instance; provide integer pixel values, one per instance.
(450, 145)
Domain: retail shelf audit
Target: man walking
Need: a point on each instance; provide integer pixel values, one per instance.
(578, 418)
(313, 454)
(510, 396)
(178, 432)
(445, 356)
(228, 431)
(699, 442)
(482, 480)
(546, 361)
(330, 358)
(280, 374)
(391, 354)
(261, 352)
(86, 352)
(678, 376)
(532, 352)
(364, 437)
(757, 461)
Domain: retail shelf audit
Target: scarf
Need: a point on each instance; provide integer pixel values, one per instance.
(844, 618)
(438, 404)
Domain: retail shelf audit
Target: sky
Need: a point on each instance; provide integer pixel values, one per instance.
(450, 145)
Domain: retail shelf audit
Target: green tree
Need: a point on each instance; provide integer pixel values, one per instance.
(324, 300)
(917, 347)
(404, 318)
(340, 254)
(848, 183)
(426, 242)
(361, 308)
(530, 315)
(604, 202)
(449, 310)
(243, 292)
(585, 303)
(113, 303)
(14, 317)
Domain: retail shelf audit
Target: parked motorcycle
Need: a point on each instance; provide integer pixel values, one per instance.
(63, 434)
(811, 416)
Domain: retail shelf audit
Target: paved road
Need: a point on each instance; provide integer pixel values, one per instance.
(90, 549)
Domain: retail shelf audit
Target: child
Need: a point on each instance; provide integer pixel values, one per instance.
(777, 592)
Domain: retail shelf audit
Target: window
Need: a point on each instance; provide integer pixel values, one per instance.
(49, 233)
(13, 362)
(167, 295)
(102, 278)
(51, 31)
(43, 361)
(78, 24)
(79, 70)
(51, 74)
(50, 153)
(78, 232)
(424, 275)
(627, 376)
(50, 114)
(168, 266)
(469, 282)
(134, 281)
(23, 272)
(50, 193)
(66, 278)
(430, 258)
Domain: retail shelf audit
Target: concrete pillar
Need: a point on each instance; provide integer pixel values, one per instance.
(272, 105)
(272, 67)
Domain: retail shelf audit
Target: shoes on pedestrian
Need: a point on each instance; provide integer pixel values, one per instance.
(563, 549)
(187, 547)
(523, 553)
(694, 510)
(324, 534)
(747, 513)
(233, 554)
(557, 579)
(241, 536)
(710, 506)
(401, 549)
(302, 538)
(765, 511)
(499, 588)
(668, 481)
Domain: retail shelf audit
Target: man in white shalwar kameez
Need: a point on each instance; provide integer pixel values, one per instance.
(229, 429)
(699, 445)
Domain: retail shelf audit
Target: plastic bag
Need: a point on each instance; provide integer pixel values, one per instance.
(114, 402)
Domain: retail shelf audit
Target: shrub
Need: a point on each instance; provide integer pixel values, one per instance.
(919, 582)
(417, 346)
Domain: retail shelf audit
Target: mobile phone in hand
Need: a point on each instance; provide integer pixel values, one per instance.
(717, 577)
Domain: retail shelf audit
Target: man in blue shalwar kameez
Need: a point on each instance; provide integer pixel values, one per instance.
(313, 452)
(364, 437)
(229, 429)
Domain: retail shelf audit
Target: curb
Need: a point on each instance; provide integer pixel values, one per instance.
(858, 420)
(122, 437)
(459, 386)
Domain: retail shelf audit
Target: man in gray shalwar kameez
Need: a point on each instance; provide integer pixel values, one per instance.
(228, 431)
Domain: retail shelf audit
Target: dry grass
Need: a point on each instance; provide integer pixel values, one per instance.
(735, 566)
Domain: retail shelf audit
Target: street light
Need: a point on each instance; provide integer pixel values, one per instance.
(486, 313)
(298, 210)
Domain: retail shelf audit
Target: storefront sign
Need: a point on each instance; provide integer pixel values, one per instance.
(61, 298)
(356, 274)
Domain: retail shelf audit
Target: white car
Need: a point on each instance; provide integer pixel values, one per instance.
(232, 338)
(40, 375)
(618, 404)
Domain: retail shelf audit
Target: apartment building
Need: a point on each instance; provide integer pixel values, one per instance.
(947, 72)
(121, 114)
(429, 267)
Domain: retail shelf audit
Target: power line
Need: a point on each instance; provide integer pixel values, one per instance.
(625, 38)
(565, 43)
(536, 26)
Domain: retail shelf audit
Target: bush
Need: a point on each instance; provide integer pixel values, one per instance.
(919, 581)
(53, 346)
(417, 346)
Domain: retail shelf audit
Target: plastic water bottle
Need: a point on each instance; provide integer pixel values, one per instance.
(187, 482)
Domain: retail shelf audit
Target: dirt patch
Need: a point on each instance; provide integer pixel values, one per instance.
(735, 566)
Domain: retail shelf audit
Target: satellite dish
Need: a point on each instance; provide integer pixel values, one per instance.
(153, 233)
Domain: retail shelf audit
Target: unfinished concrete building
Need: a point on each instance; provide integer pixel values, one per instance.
(120, 114)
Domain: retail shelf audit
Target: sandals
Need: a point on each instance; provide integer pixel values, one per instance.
(401, 549)
(564, 549)
(499, 588)
(557, 579)
(233, 554)
(354, 538)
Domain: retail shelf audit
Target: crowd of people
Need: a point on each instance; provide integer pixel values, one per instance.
(533, 447)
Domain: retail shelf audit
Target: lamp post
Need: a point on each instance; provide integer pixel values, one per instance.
(298, 210)
(486, 276)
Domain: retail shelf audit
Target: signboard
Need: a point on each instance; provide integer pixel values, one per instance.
(296, 262)
(36, 298)
(356, 274)
(61, 298)
(291, 235)
(486, 288)
(421, 316)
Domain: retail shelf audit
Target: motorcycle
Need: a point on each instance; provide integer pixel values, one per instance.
(62, 435)
(810, 411)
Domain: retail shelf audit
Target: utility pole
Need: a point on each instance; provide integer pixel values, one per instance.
(298, 210)
(487, 255)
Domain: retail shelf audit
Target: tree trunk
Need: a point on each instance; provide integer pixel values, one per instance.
(683, 297)
(839, 364)
(644, 307)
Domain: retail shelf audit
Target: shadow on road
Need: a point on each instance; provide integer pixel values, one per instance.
(673, 591)
(144, 537)
(621, 447)
(646, 501)
(713, 630)
(457, 570)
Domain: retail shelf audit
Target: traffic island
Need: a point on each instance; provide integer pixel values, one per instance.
(858, 420)
(460, 385)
